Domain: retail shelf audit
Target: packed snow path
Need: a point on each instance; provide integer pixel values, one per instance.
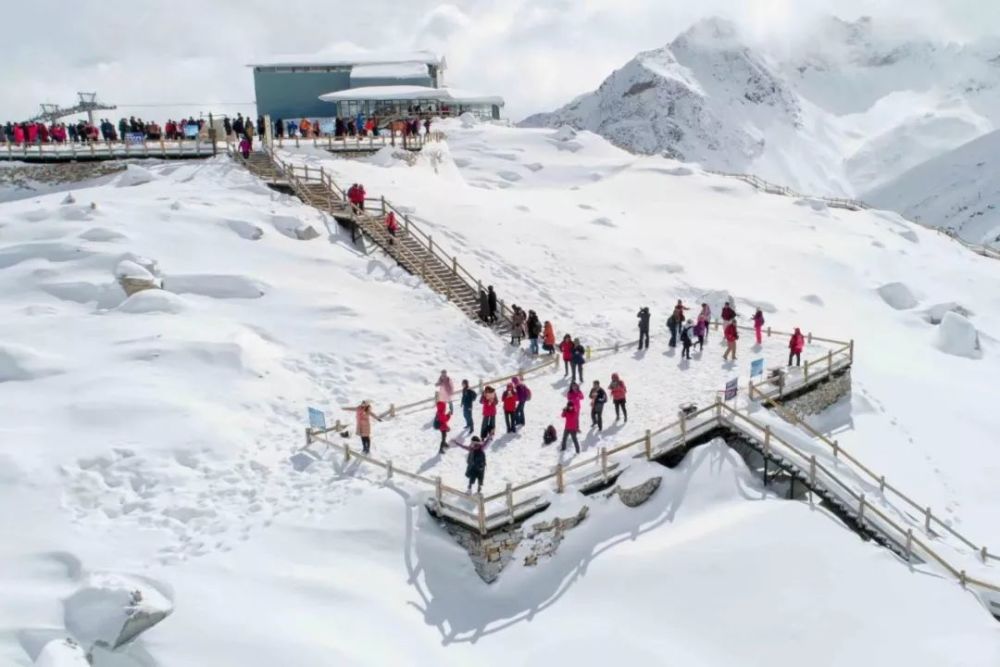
(412, 249)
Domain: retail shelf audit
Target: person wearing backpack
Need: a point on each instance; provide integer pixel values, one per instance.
(468, 398)
(578, 360)
(571, 415)
(598, 398)
(796, 344)
(686, 340)
(523, 396)
(732, 335)
(643, 316)
(758, 324)
(618, 392)
(489, 402)
(566, 347)
(475, 463)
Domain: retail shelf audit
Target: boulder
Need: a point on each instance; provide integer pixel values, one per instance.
(307, 233)
(111, 610)
(957, 336)
(897, 295)
(639, 494)
(62, 653)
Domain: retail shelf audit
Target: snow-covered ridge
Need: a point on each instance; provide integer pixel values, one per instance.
(851, 106)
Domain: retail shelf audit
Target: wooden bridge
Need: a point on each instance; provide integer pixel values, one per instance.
(412, 248)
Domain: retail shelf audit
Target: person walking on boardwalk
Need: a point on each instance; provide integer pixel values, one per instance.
(484, 306)
(731, 335)
(643, 327)
(686, 334)
(598, 399)
(475, 462)
(566, 347)
(245, 148)
(492, 297)
(489, 402)
(705, 320)
(509, 407)
(579, 359)
(391, 226)
(548, 338)
(796, 344)
(442, 419)
(523, 396)
(758, 324)
(618, 393)
(571, 415)
(468, 398)
(445, 390)
(362, 424)
(534, 331)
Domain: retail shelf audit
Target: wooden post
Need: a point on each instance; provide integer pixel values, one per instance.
(604, 463)
(347, 452)
(881, 484)
(306, 170)
(812, 470)
(983, 554)
(861, 510)
(851, 350)
(769, 332)
(588, 353)
(482, 515)
(767, 440)
(308, 436)
(829, 362)
(927, 519)
(648, 443)
(810, 337)
(909, 544)
(510, 502)
(616, 347)
(718, 407)
(836, 449)
(438, 491)
(382, 200)
(388, 468)
(962, 578)
(430, 244)
(392, 409)
(805, 370)
(454, 265)
(560, 484)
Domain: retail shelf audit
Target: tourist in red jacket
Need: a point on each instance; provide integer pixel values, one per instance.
(442, 418)
(618, 391)
(509, 407)
(566, 347)
(571, 413)
(796, 344)
(489, 402)
(758, 324)
(732, 335)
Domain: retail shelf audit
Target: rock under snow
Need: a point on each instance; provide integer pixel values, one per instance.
(133, 176)
(135, 278)
(112, 609)
(216, 286)
(897, 295)
(62, 653)
(152, 301)
(957, 336)
(468, 120)
(936, 313)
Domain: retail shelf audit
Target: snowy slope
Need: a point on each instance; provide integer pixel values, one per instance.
(850, 106)
(958, 191)
(151, 435)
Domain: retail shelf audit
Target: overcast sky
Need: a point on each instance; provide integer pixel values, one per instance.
(188, 57)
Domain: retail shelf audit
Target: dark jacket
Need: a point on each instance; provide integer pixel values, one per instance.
(599, 397)
(579, 354)
(643, 319)
(534, 327)
(475, 463)
(468, 398)
(492, 298)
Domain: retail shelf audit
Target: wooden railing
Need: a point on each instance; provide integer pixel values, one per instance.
(359, 143)
(109, 149)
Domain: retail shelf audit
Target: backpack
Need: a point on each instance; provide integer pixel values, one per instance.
(527, 393)
(550, 435)
(437, 423)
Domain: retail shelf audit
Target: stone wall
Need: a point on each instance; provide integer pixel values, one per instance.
(821, 396)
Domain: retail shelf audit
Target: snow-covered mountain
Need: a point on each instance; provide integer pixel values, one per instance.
(959, 191)
(851, 107)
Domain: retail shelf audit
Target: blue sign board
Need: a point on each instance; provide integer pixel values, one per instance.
(317, 419)
(756, 367)
(731, 388)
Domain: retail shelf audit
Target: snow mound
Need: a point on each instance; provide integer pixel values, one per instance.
(69, 199)
(216, 286)
(245, 230)
(468, 120)
(897, 295)
(102, 235)
(105, 296)
(153, 301)
(293, 228)
(52, 252)
(130, 269)
(564, 133)
(133, 176)
(386, 156)
(814, 204)
(19, 363)
(112, 609)
(936, 313)
(62, 653)
(957, 336)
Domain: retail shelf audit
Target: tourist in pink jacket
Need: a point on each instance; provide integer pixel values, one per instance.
(571, 413)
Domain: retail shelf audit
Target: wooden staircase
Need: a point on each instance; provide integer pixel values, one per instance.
(411, 248)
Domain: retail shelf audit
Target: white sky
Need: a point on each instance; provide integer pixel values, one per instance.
(189, 56)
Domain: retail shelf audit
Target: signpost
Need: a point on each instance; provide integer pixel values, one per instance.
(732, 387)
(317, 420)
(756, 368)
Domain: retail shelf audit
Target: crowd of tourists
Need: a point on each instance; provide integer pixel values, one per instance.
(348, 126)
(82, 132)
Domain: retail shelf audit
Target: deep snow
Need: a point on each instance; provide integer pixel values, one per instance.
(152, 435)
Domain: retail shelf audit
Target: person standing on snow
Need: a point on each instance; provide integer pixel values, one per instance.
(534, 331)
(728, 314)
(548, 338)
(705, 319)
(475, 463)
(492, 298)
(579, 359)
(643, 327)
(618, 392)
(516, 325)
(468, 398)
(489, 402)
(566, 347)
(700, 332)
(442, 420)
(571, 413)
(574, 395)
(732, 335)
(445, 390)
(523, 396)
(598, 399)
(484, 307)
(686, 333)
(796, 344)
(758, 324)
(363, 425)
(509, 399)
